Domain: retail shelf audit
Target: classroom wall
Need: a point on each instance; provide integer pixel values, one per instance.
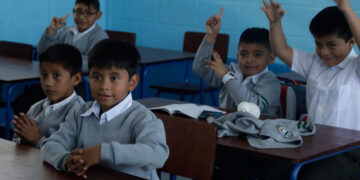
(162, 23)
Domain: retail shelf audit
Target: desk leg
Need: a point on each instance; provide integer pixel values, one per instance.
(296, 169)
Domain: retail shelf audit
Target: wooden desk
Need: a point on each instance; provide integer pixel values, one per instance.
(154, 57)
(19, 162)
(328, 141)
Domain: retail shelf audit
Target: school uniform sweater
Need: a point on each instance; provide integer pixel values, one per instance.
(263, 89)
(133, 142)
(66, 35)
(48, 120)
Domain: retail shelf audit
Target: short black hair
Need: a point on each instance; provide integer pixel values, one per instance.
(330, 21)
(114, 53)
(65, 55)
(256, 35)
(90, 3)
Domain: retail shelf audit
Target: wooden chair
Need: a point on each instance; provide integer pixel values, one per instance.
(192, 147)
(192, 41)
(18, 50)
(125, 36)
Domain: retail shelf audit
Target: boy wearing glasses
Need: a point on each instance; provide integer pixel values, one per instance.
(84, 35)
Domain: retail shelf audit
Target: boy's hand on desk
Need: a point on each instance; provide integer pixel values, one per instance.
(76, 165)
(26, 128)
(57, 23)
(217, 65)
(273, 11)
(90, 157)
(213, 25)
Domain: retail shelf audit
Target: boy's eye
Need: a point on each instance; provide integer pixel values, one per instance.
(43, 75)
(56, 75)
(258, 54)
(113, 78)
(243, 54)
(96, 77)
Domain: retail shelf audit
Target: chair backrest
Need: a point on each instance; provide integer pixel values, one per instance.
(18, 50)
(288, 102)
(192, 147)
(192, 41)
(125, 36)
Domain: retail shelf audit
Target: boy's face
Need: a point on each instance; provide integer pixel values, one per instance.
(110, 86)
(84, 16)
(56, 82)
(333, 49)
(253, 58)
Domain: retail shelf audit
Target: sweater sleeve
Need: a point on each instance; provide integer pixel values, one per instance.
(57, 147)
(47, 40)
(264, 94)
(208, 75)
(149, 150)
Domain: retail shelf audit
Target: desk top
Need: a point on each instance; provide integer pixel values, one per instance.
(327, 139)
(15, 69)
(24, 162)
(155, 55)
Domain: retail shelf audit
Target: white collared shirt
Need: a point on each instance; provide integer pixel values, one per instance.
(53, 107)
(332, 93)
(238, 74)
(111, 113)
(78, 35)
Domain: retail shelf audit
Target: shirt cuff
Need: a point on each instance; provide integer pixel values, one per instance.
(228, 76)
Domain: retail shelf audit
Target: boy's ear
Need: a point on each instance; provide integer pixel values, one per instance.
(98, 15)
(133, 82)
(76, 78)
(271, 58)
(351, 42)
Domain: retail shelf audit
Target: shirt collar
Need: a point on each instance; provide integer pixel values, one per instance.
(59, 104)
(78, 34)
(254, 78)
(111, 113)
(348, 58)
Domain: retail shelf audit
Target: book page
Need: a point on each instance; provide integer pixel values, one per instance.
(188, 109)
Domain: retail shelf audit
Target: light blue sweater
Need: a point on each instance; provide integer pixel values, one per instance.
(65, 35)
(47, 125)
(134, 142)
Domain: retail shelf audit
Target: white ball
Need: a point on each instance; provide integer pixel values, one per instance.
(250, 108)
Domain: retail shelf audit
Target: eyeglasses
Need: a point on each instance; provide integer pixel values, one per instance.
(79, 12)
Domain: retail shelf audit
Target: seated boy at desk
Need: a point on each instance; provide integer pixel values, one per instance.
(113, 131)
(248, 80)
(84, 35)
(60, 68)
(333, 78)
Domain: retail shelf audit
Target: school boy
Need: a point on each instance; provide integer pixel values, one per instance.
(248, 80)
(113, 131)
(60, 68)
(332, 73)
(84, 35)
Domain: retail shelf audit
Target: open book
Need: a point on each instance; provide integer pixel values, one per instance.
(189, 109)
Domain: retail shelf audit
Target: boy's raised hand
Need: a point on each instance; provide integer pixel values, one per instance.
(217, 65)
(82, 159)
(343, 4)
(273, 11)
(26, 128)
(213, 25)
(57, 23)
